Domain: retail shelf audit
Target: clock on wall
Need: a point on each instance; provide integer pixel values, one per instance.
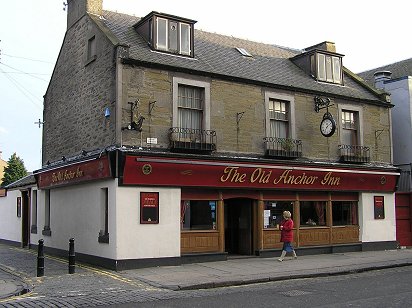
(328, 125)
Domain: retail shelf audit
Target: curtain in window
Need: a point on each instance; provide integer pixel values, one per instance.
(183, 208)
(278, 129)
(278, 114)
(320, 212)
(350, 126)
(190, 105)
(354, 213)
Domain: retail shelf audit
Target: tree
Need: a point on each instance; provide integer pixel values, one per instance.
(15, 170)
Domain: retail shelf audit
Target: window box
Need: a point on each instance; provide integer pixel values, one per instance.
(354, 153)
(282, 147)
(192, 140)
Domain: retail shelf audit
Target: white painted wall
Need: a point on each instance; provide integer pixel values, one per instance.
(75, 212)
(10, 224)
(135, 240)
(377, 230)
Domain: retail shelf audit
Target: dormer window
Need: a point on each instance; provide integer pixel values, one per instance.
(322, 62)
(167, 33)
(326, 67)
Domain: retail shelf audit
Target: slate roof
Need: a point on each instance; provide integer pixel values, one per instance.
(215, 55)
(398, 69)
(25, 181)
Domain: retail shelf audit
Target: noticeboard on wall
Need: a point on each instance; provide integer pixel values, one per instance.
(149, 207)
(18, 206)
(379, 207)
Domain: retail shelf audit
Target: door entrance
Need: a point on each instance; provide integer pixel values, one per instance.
(25, 223)
(238, 226)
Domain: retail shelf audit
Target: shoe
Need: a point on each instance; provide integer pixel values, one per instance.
(280, 260)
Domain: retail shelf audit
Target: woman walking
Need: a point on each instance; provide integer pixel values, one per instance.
(286, 235)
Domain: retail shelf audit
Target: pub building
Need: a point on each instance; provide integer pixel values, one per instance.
(164, 144)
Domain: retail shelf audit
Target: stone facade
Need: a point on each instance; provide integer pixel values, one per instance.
(79, 92)
(229, 98)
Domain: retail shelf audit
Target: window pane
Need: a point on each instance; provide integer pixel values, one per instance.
(321, 67)
(329, 76)
(337, 78)
(312, 213)
(91, 48)
(349, 127)
(279, 118)
(172, 36)
(274, 212)
(278, 129)
(161, 33)
(344, 213)
(190, 107)
(184, 38)
(198, 215)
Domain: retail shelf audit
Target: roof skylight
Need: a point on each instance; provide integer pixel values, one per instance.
(243, 52)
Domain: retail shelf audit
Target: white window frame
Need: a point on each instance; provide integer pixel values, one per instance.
(281, 97)
(195, 83)
(158, 45)
(183, 52)
(359, 110)
(323, 75)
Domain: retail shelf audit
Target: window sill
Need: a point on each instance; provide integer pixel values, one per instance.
(33, 229)
(103, 238)
(46, 232)
(92, 59)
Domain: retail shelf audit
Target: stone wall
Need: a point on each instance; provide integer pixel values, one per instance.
(228, 99)
(79, 91)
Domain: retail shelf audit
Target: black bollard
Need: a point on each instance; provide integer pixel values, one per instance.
(72, 260)
(40, 259)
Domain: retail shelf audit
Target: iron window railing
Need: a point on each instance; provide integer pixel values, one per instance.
(354, 153)
(193, 140)
(282, 147)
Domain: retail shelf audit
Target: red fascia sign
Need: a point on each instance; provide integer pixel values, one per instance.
(198, 173)
(95, 169)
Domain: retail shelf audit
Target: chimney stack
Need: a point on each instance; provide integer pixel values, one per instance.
(76, 9)
(381, 77)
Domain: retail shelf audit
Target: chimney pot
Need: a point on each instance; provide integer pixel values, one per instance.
(381, 77)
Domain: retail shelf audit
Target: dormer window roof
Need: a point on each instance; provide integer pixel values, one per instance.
(167, 33)
(322, 62)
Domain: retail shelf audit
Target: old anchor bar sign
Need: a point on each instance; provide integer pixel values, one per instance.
(176, 172)
(82, 172)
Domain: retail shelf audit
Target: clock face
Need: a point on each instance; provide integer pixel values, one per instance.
(327, 127)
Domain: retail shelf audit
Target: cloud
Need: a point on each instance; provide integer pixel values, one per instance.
(3, 130)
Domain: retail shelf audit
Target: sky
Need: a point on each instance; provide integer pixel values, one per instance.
(370, 33)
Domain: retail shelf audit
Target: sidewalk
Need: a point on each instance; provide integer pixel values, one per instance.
(18, 270)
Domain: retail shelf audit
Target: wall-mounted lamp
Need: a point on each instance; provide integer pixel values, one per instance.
(107, 112)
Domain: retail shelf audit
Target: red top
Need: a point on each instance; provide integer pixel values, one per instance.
(286, 233)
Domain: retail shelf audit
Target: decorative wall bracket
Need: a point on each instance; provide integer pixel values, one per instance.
(321, 103)
(133, 125)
